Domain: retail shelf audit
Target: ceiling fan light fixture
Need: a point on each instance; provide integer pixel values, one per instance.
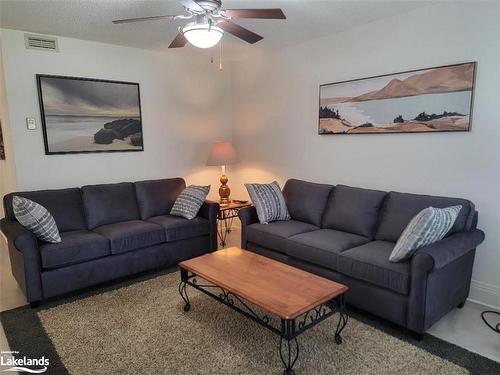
(202, 35)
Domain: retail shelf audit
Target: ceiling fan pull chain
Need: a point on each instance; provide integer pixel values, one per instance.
(220, 56)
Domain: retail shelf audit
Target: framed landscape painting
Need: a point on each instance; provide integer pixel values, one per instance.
(436, 99)
(81, 115)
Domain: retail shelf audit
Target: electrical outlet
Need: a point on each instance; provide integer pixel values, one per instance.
(30, 123)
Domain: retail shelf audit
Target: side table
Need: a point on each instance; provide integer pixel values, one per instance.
(225, 217)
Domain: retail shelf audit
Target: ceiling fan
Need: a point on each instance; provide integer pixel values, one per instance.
(209, 22)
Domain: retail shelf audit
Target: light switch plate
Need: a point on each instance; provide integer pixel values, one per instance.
(30, 123)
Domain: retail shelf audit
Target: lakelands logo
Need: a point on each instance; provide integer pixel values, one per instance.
(23, 364)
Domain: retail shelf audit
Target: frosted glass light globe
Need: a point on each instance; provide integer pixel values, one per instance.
(202, 35)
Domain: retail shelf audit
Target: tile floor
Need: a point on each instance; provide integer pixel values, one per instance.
(462, 327)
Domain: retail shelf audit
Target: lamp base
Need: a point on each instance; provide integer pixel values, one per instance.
(224, 190)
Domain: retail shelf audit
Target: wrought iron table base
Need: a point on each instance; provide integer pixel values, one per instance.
(289, 329)
(225, 217)
(224, 226)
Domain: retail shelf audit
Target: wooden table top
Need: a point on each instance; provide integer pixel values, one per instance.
(233, 205)
(283, 290)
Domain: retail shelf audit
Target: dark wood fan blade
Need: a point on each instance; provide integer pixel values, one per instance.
(179, 41)
(275, 13)
(191, 4)
(239, 31)
(153, 18)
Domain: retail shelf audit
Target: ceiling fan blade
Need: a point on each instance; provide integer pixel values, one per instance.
(152, 18)
(179, 41)
(275, 13)
(239, 31)
(193, 5)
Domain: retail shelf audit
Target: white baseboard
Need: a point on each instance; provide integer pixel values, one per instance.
(485, 294)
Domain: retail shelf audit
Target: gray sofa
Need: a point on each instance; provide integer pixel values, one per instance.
(108, 232)
(346, 234)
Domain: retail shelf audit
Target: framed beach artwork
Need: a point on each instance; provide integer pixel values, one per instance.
(2, 147)
(436, 99)
(81, 115)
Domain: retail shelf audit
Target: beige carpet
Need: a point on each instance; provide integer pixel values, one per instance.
(142, 329)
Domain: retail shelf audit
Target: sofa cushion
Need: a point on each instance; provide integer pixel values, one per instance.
(156, 197)
(65, 205)
(76, 247)
(399, 208)
(109, 203)
(370, 263)
(321, 247)
(353, 210)
(274, 235)
(306, 201)
(131, 235)
(179, 228)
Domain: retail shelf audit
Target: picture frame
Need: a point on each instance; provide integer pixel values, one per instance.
(428, 100)
(2, 145)
(89, 115)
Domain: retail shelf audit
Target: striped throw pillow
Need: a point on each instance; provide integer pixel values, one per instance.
(36, 219)
(428, 226)
(189, 202)
(268, 201)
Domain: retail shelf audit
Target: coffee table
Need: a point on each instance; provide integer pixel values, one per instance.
(243, 281)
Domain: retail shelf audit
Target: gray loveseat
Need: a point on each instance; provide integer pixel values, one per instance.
(108, 232)
(347, 234)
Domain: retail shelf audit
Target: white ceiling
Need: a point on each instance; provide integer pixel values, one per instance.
(91, 20)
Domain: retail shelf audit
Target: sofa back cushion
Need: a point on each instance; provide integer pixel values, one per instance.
(353, 210)
(109, 203)
(306, 201)
(156, 197)
(400, 208)
(65, 206)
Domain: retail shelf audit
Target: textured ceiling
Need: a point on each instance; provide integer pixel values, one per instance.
(91, 20)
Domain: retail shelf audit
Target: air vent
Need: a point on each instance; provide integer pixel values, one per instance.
(41, 42)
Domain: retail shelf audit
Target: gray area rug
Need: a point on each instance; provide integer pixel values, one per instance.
(141, 327)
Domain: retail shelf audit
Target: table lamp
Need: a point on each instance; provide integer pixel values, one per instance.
(222, 154)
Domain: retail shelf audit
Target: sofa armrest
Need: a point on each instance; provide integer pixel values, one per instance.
(23, 239)
(209, 210)
(441, 253)
(248, 216)
(440, 278)
(24, 258)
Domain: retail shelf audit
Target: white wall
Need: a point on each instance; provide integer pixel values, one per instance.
(7, 167)
(185, 107)
(275, 113)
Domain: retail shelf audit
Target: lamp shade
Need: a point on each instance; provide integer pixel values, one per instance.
(222, 153)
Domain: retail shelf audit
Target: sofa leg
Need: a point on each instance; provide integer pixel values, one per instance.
(35, 304)
(461, 304)
(417, 336)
